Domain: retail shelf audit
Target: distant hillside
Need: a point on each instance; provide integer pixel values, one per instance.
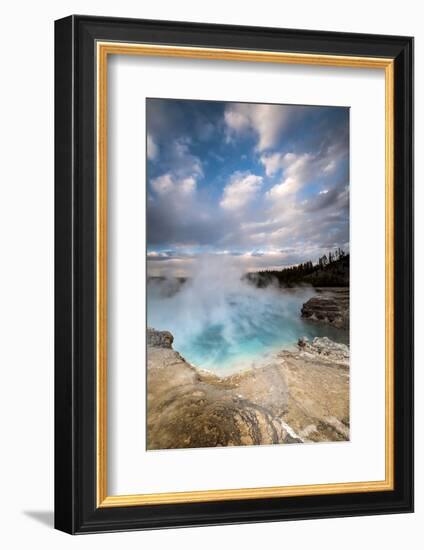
(330, 271)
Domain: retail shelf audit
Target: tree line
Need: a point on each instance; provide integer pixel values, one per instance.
(331, 269)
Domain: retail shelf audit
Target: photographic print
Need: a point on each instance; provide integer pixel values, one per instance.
(247, 274)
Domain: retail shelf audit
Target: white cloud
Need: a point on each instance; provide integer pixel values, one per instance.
(273, 163)
(184, 171)
(330, 167)
(188, 185)
(163, 184)
(152, 148)
(297, 170)
(266, 121)
(167, 184)
(153, 254)
(241, 190)
(237, 118)
(183, 161)
(288, 186)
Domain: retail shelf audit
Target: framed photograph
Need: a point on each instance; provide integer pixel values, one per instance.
(233, 265)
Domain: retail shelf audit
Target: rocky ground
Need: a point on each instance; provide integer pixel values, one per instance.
(330, 305)
(295, 396)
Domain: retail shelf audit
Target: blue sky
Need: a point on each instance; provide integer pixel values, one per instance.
(265, 184)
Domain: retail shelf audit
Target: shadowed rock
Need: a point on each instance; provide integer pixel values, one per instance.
(157, 339)
(332, 307)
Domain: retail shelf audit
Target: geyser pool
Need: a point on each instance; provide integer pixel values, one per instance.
(224, 323)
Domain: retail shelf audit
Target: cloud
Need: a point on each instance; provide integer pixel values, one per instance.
(184, 171)
(163, 184)
(178, 216)
(250, 260)
(267, 122)
(297, 170)
(152, 148)
(273, 163)
(188, 185)
(288, 186)
(337, 197)
(167, 184)
(241, 190)
(330, 167)
(154, 255)
(183, 161)
(277, 196)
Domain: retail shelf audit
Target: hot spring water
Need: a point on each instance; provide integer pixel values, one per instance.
(222, 323)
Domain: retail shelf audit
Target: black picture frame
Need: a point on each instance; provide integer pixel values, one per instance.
(76, 508)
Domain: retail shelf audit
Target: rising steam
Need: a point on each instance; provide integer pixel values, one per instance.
(221, 321)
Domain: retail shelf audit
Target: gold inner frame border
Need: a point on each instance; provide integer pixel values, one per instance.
(103, 50)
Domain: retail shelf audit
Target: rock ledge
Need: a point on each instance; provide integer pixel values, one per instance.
(159, 339)
(296, 397)
(331, 307)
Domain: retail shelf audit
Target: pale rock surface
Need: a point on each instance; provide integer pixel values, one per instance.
(295, 397)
